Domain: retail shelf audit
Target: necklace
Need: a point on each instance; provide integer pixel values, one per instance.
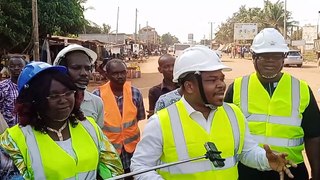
(59, 134)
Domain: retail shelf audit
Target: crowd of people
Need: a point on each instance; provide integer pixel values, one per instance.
(54, 128)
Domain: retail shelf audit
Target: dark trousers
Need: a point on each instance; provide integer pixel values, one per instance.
(128, 171)
(247, 173)
(126, 161)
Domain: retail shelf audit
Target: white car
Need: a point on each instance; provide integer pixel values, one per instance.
(219, 53)
(293, 57)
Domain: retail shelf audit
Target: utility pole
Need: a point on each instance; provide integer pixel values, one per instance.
(147, 39)
(36, 56)
(210, 31)
(117, 25)
(318, 25)
(135, 27)
(139, 37)
(285, 20)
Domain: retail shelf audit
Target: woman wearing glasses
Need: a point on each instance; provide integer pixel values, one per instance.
(53, 139)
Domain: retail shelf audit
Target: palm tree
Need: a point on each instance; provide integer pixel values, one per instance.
(274, 14)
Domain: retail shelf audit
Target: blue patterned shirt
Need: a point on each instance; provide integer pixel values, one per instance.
(8, 96)
(167, 99)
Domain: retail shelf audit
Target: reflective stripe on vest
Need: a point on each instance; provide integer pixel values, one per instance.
(127, 141)
(181, 147)
(35, 156)
(279, 141)
(293, 120)
(198, 166)
(121, 129)
(34, 153)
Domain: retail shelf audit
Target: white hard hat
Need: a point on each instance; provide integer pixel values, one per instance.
(74, 47)
(197, 58)
(269, 40)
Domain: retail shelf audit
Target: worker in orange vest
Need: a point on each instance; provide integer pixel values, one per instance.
(123, 108)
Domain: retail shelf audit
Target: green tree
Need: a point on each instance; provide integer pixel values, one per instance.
(105, 28)
(168, 39)
(14, 25)
(92, 28)
(272, 15)
(57, 17)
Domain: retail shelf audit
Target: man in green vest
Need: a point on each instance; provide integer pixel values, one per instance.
(179, 131)
(281, 110)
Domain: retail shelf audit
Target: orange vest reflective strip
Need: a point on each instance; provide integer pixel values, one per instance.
(121, 130)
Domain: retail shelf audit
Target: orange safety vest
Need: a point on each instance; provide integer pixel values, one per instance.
(121, 130)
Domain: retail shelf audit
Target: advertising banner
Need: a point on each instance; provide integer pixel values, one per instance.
(245, 31)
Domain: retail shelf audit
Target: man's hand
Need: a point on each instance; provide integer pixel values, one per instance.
(278, 162)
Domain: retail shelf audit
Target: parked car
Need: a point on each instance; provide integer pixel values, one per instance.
(293, 57)
(219, 53)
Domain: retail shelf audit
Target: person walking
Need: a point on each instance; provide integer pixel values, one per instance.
(53, 139)
(281, 110)
(123, 108)
(9, 90)
(79, 61)
(179, 131)
(165, 63)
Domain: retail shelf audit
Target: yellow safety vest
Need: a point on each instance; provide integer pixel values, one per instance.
(274, 120)
(184, 138)
(45, 159)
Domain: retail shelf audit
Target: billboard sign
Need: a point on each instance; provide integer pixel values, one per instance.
(190, 37)
(245, 31)
(298, 43)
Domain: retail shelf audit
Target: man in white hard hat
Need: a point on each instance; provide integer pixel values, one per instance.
(180, 131)
(281, 110)
(79, 62)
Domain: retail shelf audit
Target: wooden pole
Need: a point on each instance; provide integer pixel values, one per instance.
(36, 55)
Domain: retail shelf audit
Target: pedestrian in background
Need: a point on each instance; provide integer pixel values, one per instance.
(123, 108)
(165, 67)
(79, 61)
(9, 90)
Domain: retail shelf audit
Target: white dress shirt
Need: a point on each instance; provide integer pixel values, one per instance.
(150, 148)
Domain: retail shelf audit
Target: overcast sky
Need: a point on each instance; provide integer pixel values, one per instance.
(183, 17)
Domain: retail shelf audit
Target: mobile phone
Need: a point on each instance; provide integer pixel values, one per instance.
(214, 155)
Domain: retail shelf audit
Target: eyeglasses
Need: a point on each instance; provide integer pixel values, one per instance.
(56, 97)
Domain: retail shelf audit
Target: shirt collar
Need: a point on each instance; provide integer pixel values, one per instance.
(189, 108)
(86, 97)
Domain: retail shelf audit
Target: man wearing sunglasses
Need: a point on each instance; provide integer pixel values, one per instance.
(79, 62)
(281, 110)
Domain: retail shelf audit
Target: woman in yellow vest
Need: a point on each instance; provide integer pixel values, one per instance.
(53, 139)
(180, 131)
